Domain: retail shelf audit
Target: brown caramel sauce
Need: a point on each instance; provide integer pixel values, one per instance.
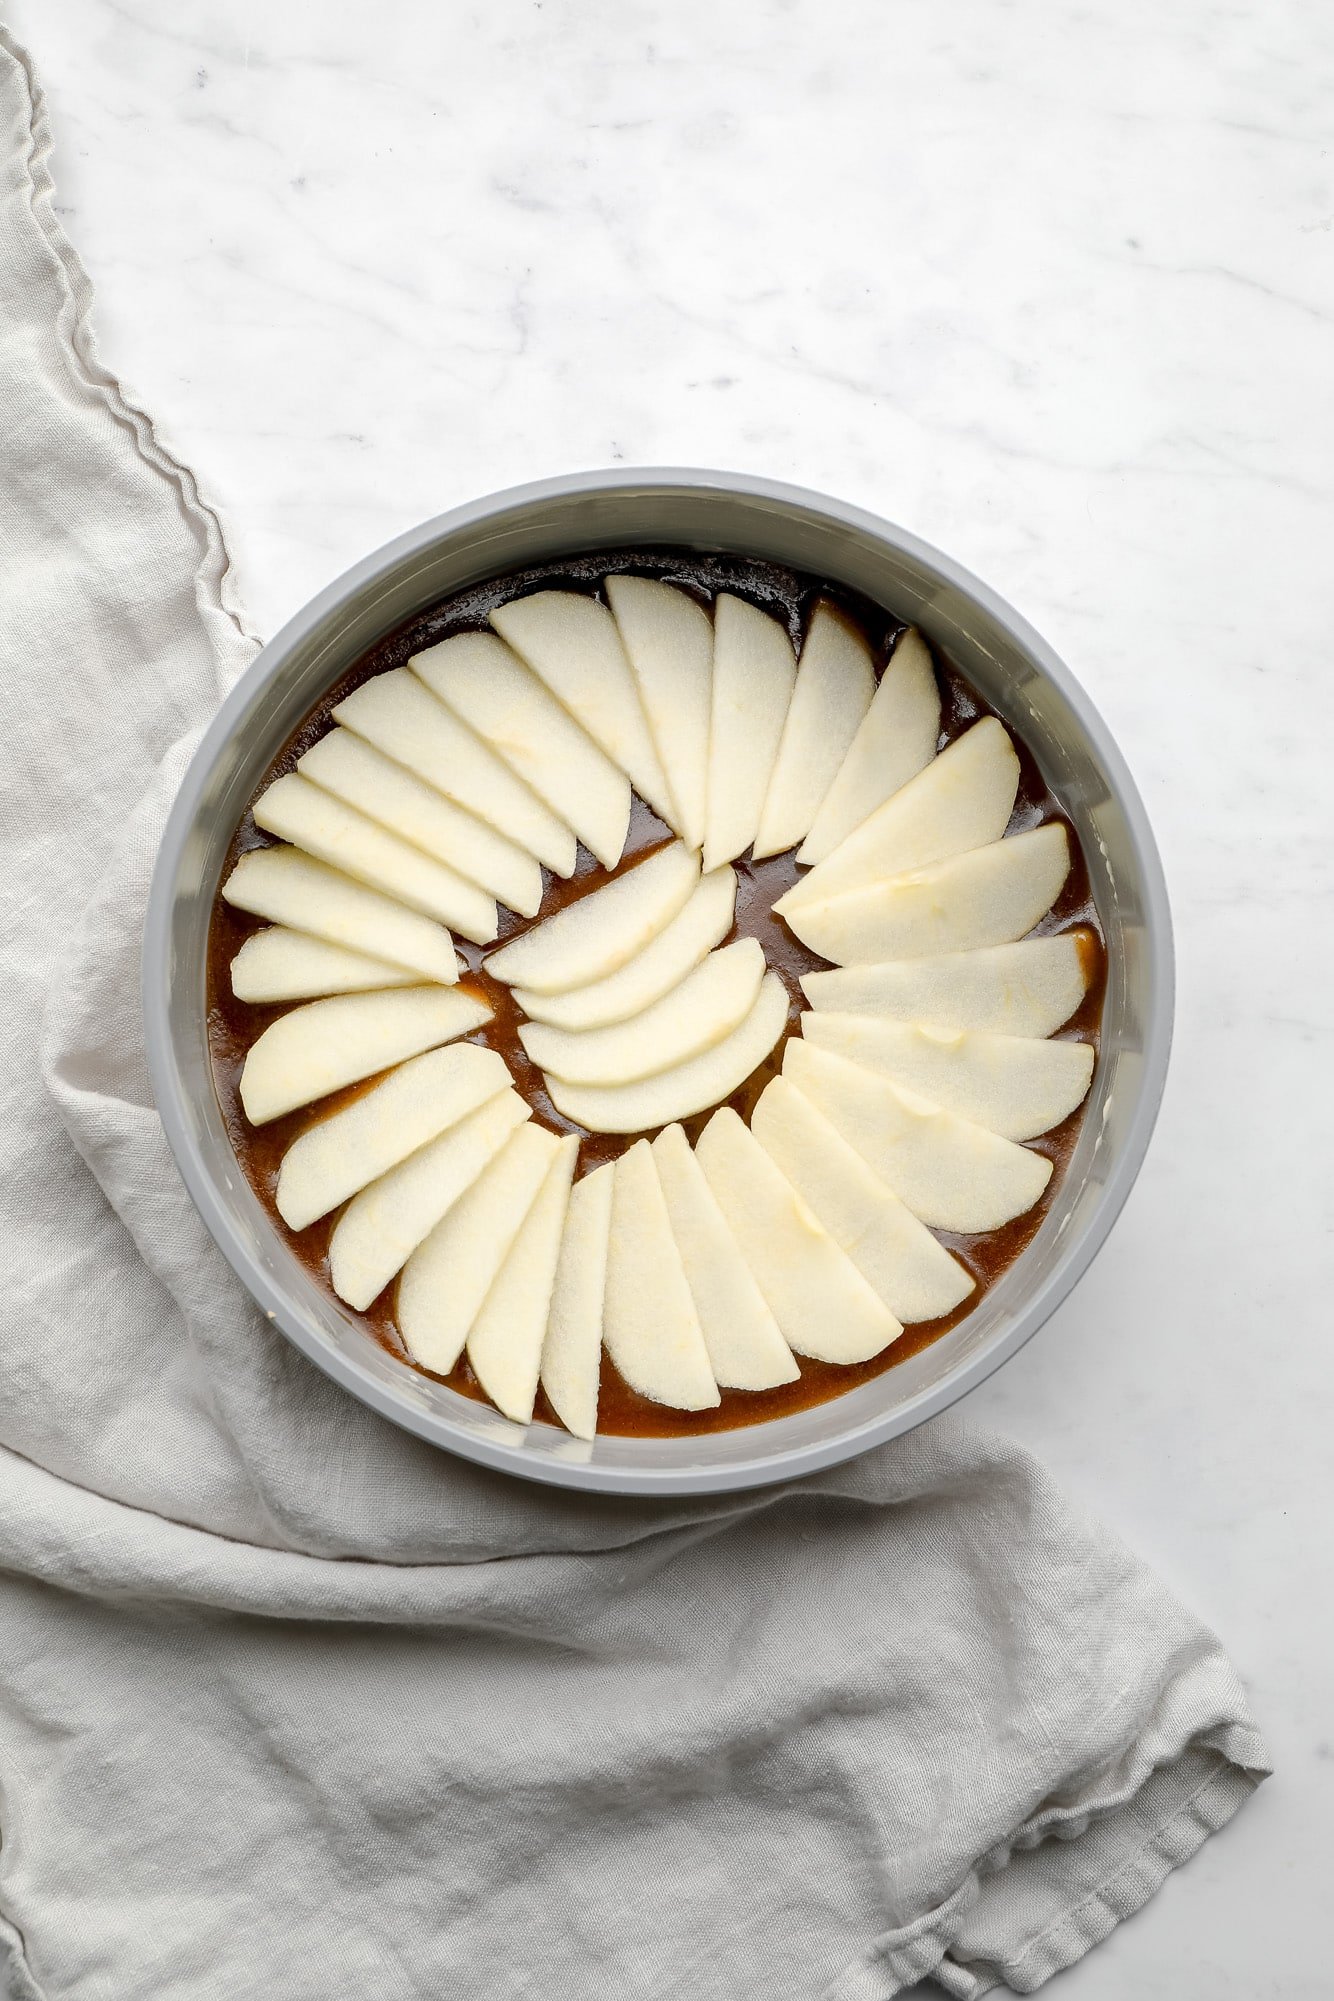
(234, 1025)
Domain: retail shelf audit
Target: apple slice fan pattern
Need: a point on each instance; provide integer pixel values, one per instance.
(902, 1111)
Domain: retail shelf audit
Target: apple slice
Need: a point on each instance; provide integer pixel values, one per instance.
(483, 682)
(289, 888)
(572, 1350)
(963, 799)
(402, 718)
(952, 1174)
(332, 1160)
(1031, 988)
(598, 934)
(704, 919)
(896, 738)
(915, 1276)
(505, 1340)
(709, 1003)
(990, 896)
(754, 669)
(649, 1323)
(444, 1282)
(382, 1225)
(571, 643)
(745, 1349)
(328, 1044)
(688, 1087)
(1011, 1084)
(834, 687)
(668, 640)
(822, 1304)
(322, 826)
(364, 777)
(282, 965)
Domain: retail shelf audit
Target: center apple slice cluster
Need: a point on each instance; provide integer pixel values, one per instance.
(445, 789)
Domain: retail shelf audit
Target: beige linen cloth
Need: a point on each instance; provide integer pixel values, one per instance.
(291, 1704)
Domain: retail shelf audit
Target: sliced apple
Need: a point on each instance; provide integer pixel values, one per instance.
(823, 1305)
(402, 718)
(505, 1340)
(952, 1174)
(668, 640)
(332, 832)
(444, 1282)
(364, 777)
(598, 934)
(746, 1351)
(896, 738)
(571, 643)
(382, 1226)
(688, 1087)
(649, 1323)
(704, 919)
(487, 685)
(709, 1003)
(961, 800)
(421, 1098)
(834, 686)
(754, 669)
(1011, 1084)
(1030, 988)
(990, 896)
(282, 965)
(572, 1349)
(909, 1271)
(328, 1044)
(289, 888)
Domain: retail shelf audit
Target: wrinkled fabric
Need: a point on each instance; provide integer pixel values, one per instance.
(292, 1703)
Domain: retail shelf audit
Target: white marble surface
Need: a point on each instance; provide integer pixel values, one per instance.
(1052, 285)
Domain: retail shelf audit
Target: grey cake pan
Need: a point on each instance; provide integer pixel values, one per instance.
(1004, 658)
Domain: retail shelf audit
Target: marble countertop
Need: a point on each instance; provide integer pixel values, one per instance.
(1053, 287)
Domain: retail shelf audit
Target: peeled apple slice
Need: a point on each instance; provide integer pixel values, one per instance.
(990, 896)
(328, 1044)
(963, 799)
(668, 640)
(324, 827)
(383, 1225)
(444, 1282)
(289, 888)
(571, 643)
(709, 1003)
(915, 1276)
(1030, 988)
(649, 1323)
(834, 686)
(402, 718)
(704, 919)
(415, 1102)
(822, 1304)
(483, 682)
(897, 736)
(282, 965)
(598, 934)
(687, 1088)
(952, 1174)
(754, 669)
(745, 1349)
(505, 1341)
(364, 777)
(1010, 1084)
(572, 1350)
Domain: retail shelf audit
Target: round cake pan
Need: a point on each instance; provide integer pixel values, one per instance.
(1000, 654)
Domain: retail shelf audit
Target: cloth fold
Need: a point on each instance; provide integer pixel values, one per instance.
(291, 1702)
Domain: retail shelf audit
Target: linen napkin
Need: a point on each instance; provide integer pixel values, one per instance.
(293, 1704)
